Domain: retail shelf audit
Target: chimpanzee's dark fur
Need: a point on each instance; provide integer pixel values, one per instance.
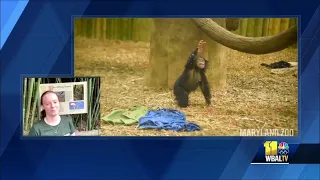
(191, 78)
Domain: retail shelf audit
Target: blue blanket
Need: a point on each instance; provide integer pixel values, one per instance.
(168, 119)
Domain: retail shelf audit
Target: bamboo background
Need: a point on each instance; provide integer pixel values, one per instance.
(82, 122)
(139, 29)
(135, 29)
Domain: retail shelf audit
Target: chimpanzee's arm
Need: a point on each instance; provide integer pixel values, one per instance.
(190, 61)
(206, 65)
(205, 89)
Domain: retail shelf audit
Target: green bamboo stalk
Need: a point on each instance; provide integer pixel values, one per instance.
(129, 28)
(95, 123)
(84, 26)
(35, 100)
(109, 29)
(293, 21)
(77, 23)
(270, 26)
(258, 32)
(143, 29)
(276, 25)
(120, 29)
(93, 90)
(89, 26)
(265, 27)
(250, 27)
(243, 26)
(284, 24)
(97, 107)
(30, 89)
(104, 28)
(96, 103)
(79, 26)
(89, 104)
(134, 29)
(93, 28)
(100, 28)
(116, 28)
(24, 96)
(58, 80)
(113, 29)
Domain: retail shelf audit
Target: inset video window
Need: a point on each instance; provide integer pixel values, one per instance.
(61, 106)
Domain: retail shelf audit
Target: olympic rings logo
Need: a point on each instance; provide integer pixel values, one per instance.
(283, 151)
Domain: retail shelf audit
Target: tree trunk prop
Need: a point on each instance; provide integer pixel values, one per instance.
(172, 42)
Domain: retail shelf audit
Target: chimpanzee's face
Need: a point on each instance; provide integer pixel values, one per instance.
(201, 63)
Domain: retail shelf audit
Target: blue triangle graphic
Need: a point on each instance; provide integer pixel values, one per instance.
(10, 13)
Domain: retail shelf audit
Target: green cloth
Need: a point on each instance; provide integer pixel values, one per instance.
(126, 116)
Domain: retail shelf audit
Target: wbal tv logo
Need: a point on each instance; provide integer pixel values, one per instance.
(276, 153)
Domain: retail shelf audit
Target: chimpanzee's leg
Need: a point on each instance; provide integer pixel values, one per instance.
(182, 96)
(205, 89)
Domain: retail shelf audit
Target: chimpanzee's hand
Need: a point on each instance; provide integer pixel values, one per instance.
(200, 46)
(201, 43)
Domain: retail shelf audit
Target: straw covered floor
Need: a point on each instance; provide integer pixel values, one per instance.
(254, 98)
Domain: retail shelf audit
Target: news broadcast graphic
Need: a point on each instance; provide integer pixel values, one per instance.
(37, 38)
(275, 152)
(281, 152)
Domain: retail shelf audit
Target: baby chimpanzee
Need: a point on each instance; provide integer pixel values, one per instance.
(192, 77)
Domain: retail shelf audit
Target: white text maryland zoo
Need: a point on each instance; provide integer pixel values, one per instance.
(266, 132)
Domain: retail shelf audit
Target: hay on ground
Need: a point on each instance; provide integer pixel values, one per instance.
(253, 99)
